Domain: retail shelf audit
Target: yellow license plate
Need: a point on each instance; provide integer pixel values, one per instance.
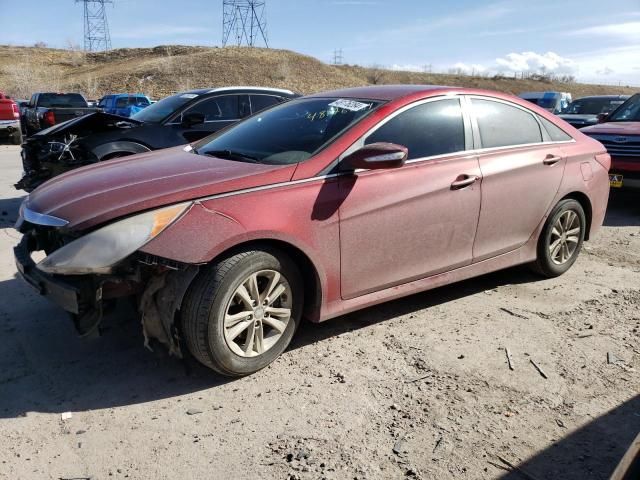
(615, 181)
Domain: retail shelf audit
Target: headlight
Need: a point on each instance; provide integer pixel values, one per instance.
(99, 251)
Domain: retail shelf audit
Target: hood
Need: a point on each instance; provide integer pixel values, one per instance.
(95, 121)
(579, 118)
(613, 128)
(96, 194)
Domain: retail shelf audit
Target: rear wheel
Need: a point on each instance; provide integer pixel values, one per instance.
(561, 239)
(16, 137)
(241, 313)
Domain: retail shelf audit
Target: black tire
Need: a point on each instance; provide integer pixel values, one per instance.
(206, 301)
(545, 264)
(16, 138)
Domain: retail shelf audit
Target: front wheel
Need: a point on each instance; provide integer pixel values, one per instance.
(241, 313)
(561, 239)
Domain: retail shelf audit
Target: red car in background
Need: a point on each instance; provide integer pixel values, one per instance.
(10, 120)
(314, 208)
(619, 132)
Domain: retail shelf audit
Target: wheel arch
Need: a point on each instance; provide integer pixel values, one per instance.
(107, 149)
(585, 203)
(313, 292)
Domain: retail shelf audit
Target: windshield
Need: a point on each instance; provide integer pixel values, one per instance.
(289, 133)
(158, 111)
(62, 100)
(592, 106)
(629, 111)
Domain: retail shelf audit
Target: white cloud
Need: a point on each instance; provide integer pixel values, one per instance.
(626, 31)
(549, 62)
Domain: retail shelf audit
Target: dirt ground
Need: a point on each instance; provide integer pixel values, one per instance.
(415, 388)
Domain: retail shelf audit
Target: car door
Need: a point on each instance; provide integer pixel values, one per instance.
(398, 225)
(219, 112)
(521, 173)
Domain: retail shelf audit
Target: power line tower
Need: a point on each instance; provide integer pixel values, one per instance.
(96, 27)
(337, 56)
(244, 22)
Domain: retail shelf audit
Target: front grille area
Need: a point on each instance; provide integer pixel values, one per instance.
(620, 145)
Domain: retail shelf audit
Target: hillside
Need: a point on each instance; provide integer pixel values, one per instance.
(163, 70)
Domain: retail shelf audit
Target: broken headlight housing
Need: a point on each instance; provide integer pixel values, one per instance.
(101, 250)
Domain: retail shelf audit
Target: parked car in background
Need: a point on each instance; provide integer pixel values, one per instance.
(554, 102)
(619, 132)
(124, 104)
(22, 105)
(175, 120)
(10, 120)
(585, 111)
(48, 109)
(317, 207)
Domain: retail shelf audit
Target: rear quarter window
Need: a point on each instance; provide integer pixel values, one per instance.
(503, 125)
(555, 133)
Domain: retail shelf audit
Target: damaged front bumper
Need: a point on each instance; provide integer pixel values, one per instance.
(158, 284)
(67, 294)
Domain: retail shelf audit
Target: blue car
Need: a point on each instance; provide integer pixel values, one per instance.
(124, 104)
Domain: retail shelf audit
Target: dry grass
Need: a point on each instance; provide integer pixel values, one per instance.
(163, 70)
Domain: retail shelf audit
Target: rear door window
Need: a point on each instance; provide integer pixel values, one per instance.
(122, 102)
(260, 102)
(433, 128)
(217, 108)
(503, 125)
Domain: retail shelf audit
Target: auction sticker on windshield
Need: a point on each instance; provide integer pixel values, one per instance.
(350, 105)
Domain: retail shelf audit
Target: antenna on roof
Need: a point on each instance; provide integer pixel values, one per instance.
(244, 22)
(96, 27)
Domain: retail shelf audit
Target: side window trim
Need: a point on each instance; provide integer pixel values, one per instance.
(546, 139)
(468, 139)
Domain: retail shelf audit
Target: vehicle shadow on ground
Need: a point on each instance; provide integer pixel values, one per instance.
(45, 367)
(9, 211)
(593, 451)
(311, 333)
(623, 209)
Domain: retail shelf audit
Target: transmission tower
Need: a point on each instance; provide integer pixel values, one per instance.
(337, 56)
(96, 28)
(244, 22)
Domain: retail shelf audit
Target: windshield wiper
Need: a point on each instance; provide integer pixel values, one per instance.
(232, 155)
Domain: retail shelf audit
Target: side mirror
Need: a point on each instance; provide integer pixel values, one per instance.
(377, 156)
(192, 118)
(602, 117)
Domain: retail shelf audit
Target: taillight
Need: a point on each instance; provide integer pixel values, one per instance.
(604, 159)
(49, 117)
(16, 111)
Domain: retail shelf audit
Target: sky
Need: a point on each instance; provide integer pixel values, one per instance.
(593, 40)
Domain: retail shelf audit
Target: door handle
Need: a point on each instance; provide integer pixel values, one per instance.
(463, 181)
(551, 159)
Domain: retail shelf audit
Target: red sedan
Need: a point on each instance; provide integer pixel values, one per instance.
(315, 208)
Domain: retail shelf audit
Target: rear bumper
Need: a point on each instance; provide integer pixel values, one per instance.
(64, 293)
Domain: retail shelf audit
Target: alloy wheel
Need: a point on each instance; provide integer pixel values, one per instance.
(258, 313)
(565, 237)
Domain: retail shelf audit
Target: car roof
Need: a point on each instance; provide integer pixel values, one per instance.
(384, 92)
(240, 89)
